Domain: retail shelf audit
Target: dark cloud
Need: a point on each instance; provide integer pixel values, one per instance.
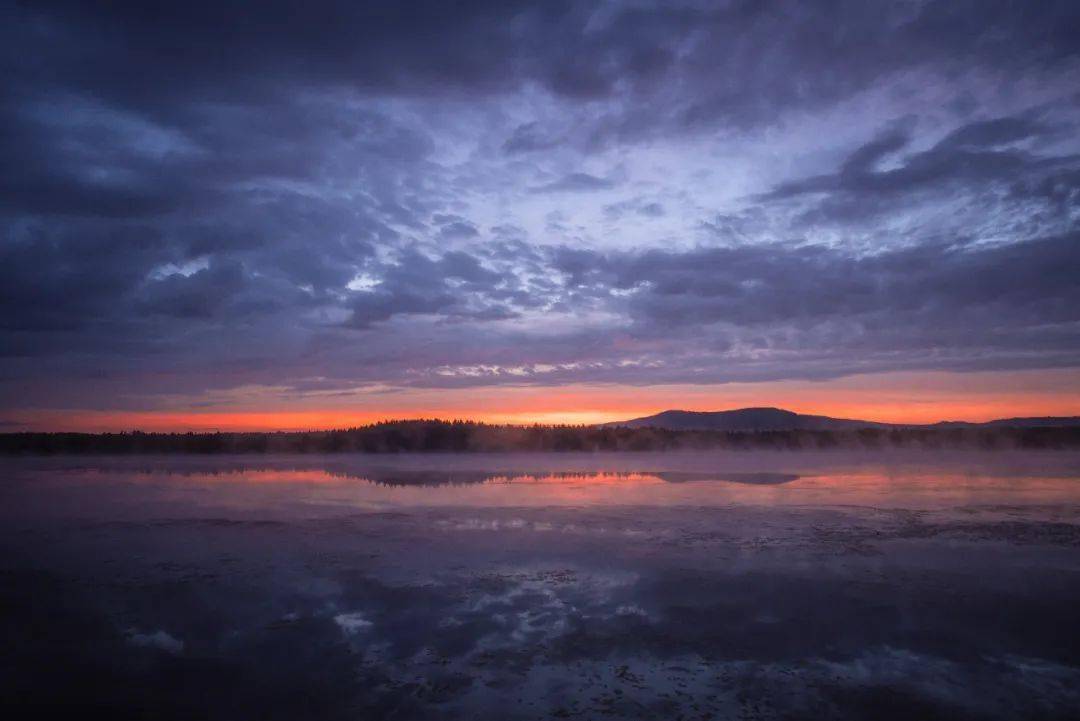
(931, 305)
(804, 285)
(735, 61)
(979, 152)
(208, 196)
(456, 285)
(639, 206)
(202, 294)
(994, 166)
(528, 138)
(453, 228)
(575, 182)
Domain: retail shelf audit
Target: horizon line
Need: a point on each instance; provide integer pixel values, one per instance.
(516, 424)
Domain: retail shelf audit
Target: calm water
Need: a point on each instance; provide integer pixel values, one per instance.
(697, 586)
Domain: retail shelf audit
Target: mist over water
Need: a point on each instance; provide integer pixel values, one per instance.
(700, 585)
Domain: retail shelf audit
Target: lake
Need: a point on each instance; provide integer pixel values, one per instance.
(522, 586)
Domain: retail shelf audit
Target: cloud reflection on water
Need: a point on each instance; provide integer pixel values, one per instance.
(926, 590)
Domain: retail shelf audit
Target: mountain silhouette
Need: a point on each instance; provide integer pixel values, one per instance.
(778, 419)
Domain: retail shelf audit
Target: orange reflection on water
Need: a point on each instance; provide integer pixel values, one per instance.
(387, 488)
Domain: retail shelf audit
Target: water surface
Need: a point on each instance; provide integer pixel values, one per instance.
(716, 585)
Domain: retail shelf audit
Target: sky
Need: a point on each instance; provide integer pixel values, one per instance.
(311, 214)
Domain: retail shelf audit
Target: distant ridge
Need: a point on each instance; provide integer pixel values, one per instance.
(1035, 422)
(778, 419)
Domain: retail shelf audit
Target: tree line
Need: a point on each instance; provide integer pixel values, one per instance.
(426, 436)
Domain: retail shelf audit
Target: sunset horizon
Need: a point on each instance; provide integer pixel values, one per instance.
(902, 398)
(302, 421)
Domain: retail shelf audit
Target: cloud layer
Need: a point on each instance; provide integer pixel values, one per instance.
(373, 196)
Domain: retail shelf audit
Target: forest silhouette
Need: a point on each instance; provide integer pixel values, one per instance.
(420, 436)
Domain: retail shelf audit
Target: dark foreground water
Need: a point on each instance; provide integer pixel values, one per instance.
(559, 586)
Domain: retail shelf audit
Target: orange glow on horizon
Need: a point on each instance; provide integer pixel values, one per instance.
(894, 397)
